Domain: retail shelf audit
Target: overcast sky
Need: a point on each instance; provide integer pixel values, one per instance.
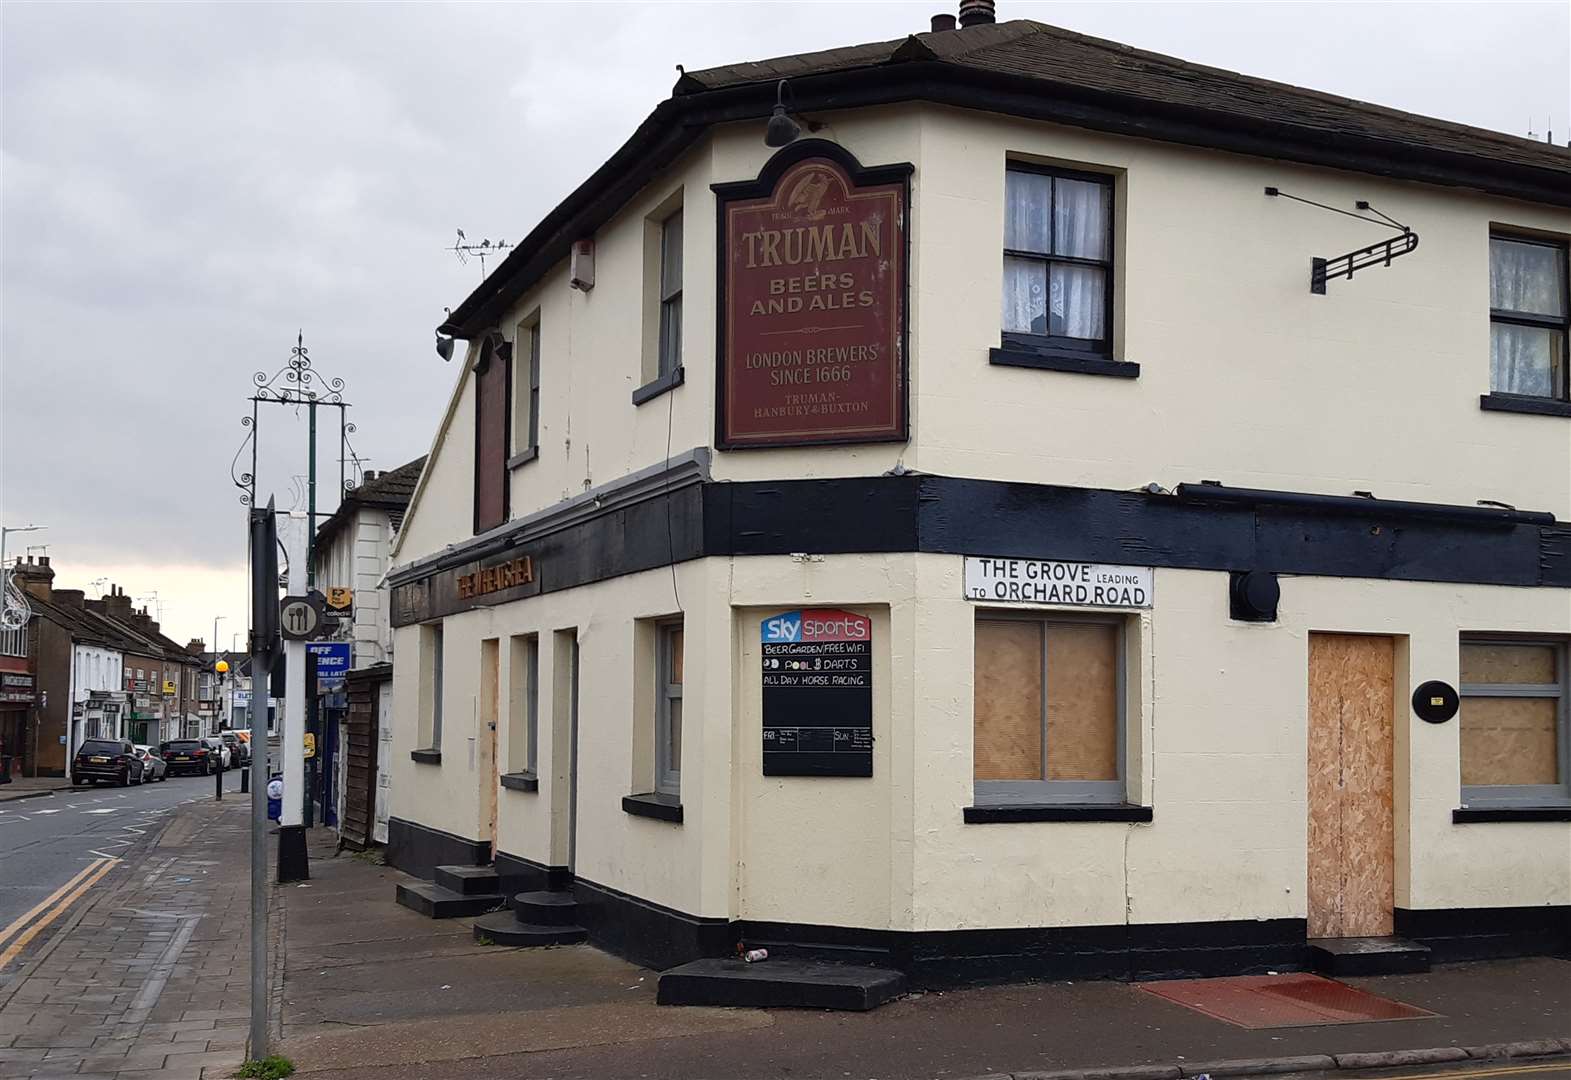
(185, 186)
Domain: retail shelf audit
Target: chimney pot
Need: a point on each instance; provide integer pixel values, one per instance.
(43, 560)
(943, 21)
(976, 13)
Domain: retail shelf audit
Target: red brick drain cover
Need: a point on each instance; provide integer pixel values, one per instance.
(1272, 1001)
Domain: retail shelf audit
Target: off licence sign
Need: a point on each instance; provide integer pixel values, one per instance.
(1049, 581)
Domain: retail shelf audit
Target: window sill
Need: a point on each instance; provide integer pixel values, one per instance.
(521, 781)
(426, 757)
(1464, 815)
(523, 458)
(651, 805)
(1073, 362)
(651, 390)
(1001, 812)
(1524, 403)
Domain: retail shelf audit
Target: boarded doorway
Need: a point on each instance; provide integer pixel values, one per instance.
(1351, 846)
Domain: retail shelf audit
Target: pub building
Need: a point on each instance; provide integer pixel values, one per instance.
(966, 508)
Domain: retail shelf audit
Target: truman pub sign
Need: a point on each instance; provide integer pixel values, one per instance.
(813, 302)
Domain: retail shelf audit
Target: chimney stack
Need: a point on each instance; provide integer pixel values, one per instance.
(196, 647)
(74, 599)
(943, 21)
(976, 13)
(37, 578)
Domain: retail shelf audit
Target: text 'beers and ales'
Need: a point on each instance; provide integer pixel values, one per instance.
(814, 309)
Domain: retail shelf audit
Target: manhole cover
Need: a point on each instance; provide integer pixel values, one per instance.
(1272, 1001)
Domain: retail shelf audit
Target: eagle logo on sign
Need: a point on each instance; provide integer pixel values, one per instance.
(807, 195)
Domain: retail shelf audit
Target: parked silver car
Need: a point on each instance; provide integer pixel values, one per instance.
(154, 767)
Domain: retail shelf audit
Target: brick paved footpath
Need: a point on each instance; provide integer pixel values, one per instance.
(148, 978)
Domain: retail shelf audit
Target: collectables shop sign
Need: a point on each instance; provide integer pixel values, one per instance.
(813, 301)
(1049, 581)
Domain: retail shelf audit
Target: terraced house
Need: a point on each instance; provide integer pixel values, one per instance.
(999, 502)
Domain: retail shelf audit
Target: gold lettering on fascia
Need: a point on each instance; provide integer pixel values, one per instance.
(490, 579)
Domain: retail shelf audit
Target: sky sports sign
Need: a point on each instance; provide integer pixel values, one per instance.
(817, 670)
(1048, 581)
(817, 624)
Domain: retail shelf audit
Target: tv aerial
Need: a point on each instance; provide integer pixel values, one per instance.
(463, 248)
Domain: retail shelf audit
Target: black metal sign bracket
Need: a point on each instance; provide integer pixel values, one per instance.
(1379, 253)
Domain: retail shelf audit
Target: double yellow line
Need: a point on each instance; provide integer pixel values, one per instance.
(33, 922)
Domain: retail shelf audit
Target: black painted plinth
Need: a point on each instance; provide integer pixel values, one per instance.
(468, 880)
(503, 928)
(292, 862)
(777, 984)
(1368, 956)
(435, 902)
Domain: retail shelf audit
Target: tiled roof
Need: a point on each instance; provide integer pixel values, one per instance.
(1028, 50)
(1044, 73)
(390, 491)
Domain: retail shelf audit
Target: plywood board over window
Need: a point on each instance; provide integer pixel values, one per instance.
(1513, 722)
(1048, 711)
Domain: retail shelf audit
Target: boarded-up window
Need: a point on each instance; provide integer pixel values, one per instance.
(1513, 721)
(1047, 710)
(492, 384)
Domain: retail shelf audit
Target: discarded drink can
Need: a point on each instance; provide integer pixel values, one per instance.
(753, 956)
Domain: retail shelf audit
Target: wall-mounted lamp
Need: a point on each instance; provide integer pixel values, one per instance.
(444, 347)
(782, 130)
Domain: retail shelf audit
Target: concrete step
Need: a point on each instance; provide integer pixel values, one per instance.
(469, 880)
(799, 984)
(546, 908)
(435, 902)
(1368, 956)
(503, 928)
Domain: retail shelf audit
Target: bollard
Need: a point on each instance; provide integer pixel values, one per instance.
(218, 781)
(245, 780)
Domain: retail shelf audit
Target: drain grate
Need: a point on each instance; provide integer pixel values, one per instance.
(1273, 1001)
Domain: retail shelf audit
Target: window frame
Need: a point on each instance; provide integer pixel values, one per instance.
(668, 773)
(1511, 317)
(1049, 344)
(668, 361)
(991, 793)
(529, 389)
(1523, 795)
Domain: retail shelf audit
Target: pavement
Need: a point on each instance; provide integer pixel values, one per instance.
(372, 987)
(146, 976)
(143, 972)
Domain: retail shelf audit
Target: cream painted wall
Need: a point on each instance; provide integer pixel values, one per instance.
(442, 509)
(1246, 377)
(1217, 737)
(1223, 714)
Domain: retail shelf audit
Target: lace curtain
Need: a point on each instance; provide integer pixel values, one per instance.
(1526, 278)
(1051, 216)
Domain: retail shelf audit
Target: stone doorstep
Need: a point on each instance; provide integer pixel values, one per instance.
(1302, 1063)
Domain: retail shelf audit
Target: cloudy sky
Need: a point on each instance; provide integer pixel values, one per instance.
(186, 186)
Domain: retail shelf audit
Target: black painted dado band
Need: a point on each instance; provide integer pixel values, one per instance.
(1207, 528)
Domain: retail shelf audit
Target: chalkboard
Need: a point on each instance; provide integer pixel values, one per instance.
(818, 693)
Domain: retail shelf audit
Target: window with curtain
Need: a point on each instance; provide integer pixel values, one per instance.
(670, 354)
(1514, 722)
(1528, 317)
(1058, 259)
(1048, 708)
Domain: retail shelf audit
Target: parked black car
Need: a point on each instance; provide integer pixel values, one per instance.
(106, 759)
(186, 756)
